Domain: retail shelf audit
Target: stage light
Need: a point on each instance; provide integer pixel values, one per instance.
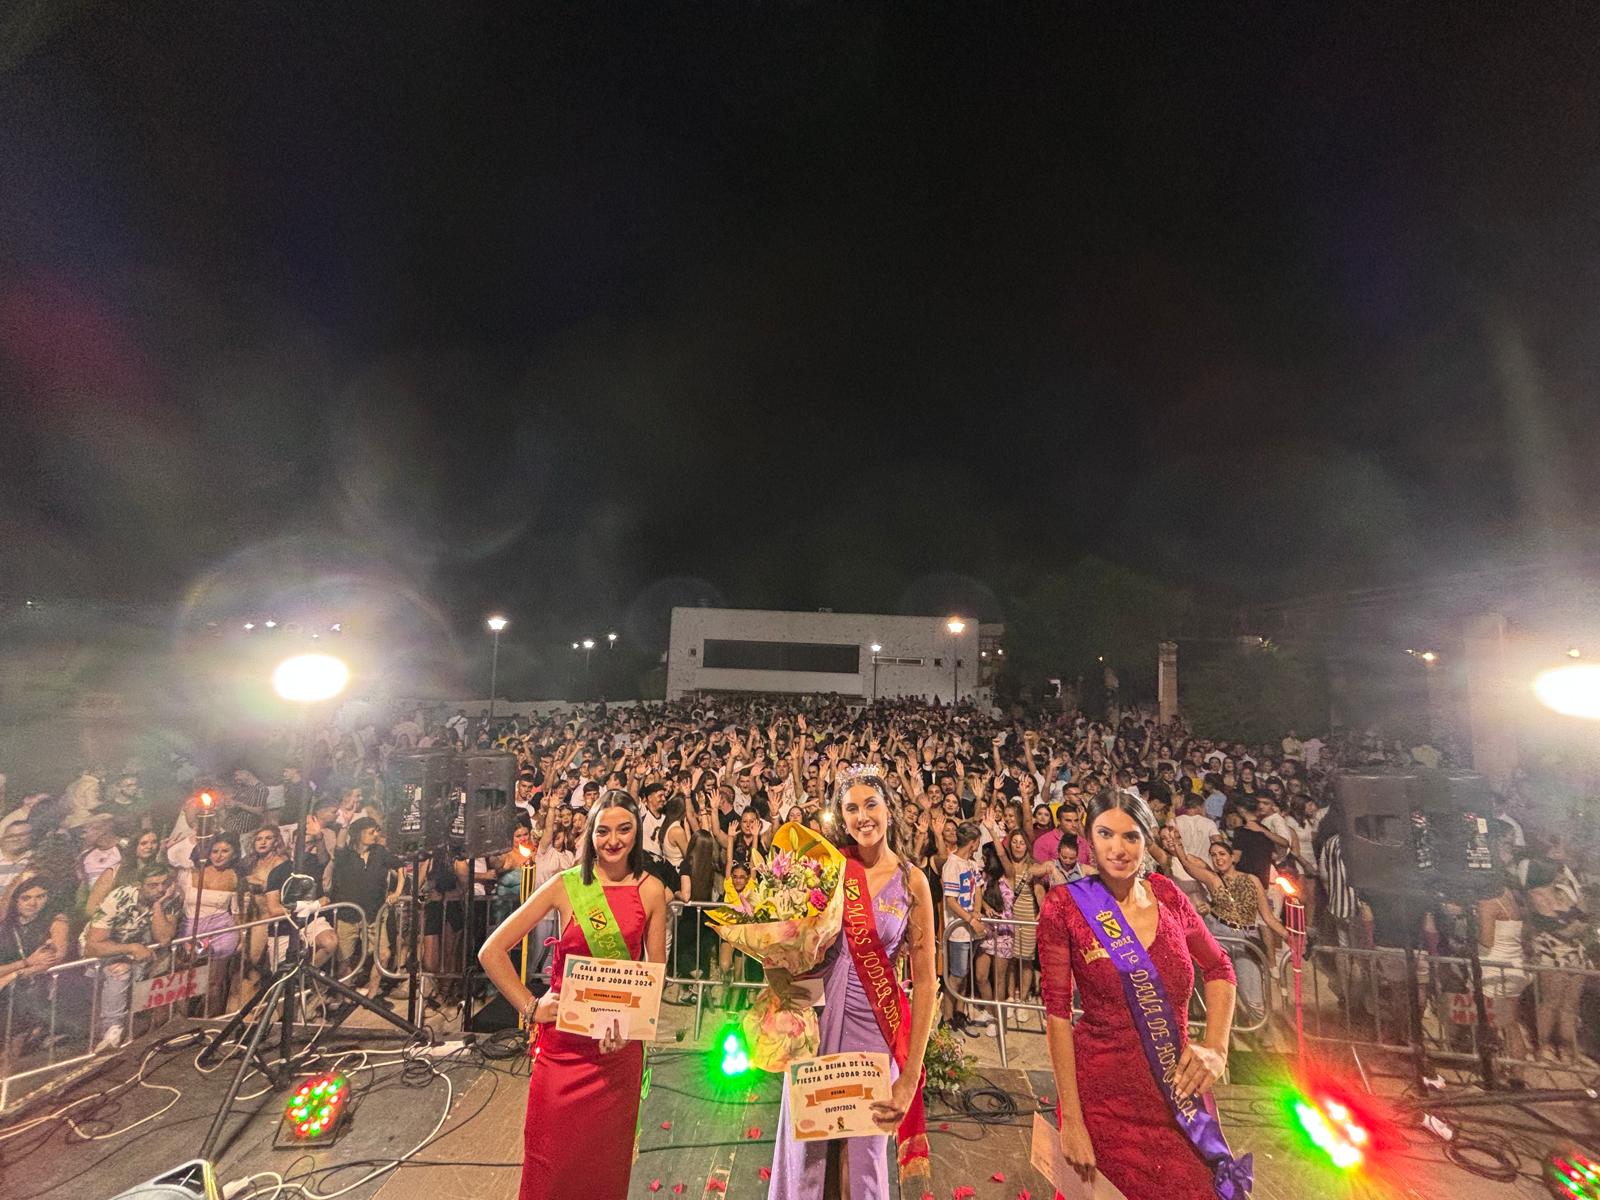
(1572, 691)
(1572, 1175)
(316, 1109)
(1428, 656)
(1574, 652)
(307, 678)
(735, 1055)
(1333, 1129)
(249, 625)
(270, 624)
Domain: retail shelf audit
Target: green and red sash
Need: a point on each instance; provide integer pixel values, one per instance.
(875, 970)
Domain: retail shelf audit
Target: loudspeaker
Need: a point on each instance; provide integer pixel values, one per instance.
(487, 812)
(418, 804)
(1413, 830)
(1378, 836)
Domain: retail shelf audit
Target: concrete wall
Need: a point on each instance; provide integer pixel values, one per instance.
(901, 637)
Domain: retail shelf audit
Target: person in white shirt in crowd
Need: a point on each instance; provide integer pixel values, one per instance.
(101, 852)
(129, 919)
(962, 879)
(1195, 830)
(15, 852)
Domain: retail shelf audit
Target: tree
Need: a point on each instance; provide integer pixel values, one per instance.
(1255, 695)
(1066, 622)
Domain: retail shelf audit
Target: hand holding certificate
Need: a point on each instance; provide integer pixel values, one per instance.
(832, 1096)
(615, 997)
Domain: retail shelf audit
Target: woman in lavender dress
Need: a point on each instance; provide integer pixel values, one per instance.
(901, 908)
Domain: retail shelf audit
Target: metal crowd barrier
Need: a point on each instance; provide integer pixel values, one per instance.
(1236, 948)
(689, 972)
(57, 1012)
(1355, 997)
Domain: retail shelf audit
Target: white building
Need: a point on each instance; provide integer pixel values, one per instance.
(850, 654)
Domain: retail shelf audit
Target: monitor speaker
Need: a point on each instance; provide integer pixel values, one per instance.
(487, 802)
(1414, 829)
(419, 804)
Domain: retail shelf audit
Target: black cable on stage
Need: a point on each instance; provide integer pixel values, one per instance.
(989, 1104)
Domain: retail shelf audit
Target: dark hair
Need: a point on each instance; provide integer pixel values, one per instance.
(27, 885)
(202, 858)
(612, 798)
(352, 836)
(1108, 799)
(891, 834)
(967, 831)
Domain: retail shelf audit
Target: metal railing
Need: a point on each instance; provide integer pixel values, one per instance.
(688, 969)
(58, 1012)
(1236, 948)
(1357, 997)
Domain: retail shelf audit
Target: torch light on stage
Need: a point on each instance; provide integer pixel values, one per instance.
(1294, 920)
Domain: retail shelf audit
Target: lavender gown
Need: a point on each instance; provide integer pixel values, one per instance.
(847, 1023)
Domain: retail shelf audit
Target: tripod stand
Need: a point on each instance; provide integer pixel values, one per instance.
(279, 997)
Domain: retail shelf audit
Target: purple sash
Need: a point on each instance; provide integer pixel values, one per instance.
(1158, 1034)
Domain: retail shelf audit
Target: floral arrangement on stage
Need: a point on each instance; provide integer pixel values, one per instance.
(788, 914)
(948, 1066)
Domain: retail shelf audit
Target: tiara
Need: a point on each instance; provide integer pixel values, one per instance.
(855, 774)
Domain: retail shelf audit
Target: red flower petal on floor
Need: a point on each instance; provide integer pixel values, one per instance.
(944, 1126)
(753, 1132)
(963, 1193)
(1046, 1101)
(1024, 1194)
(765, 1173)
(716, 1185)
(666, 1124)
(998, 1177)
(677, 1189)
(655, 1185)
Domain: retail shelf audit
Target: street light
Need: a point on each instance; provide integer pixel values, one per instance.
(876, 650)
(612, 638)
(955, 625)
(496, 624)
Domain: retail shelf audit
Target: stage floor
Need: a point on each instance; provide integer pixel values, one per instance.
(713, 1139)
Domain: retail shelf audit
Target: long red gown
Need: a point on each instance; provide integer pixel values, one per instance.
(1137, 1144)
(583, 1106)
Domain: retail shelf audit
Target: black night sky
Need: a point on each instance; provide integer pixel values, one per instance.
(570, 308)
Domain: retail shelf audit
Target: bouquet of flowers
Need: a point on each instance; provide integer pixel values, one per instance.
(789, 912)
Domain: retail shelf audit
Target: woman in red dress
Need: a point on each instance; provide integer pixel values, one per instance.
(583, 1094)
(1113, 1115)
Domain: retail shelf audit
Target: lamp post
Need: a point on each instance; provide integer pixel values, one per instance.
(496, 624)
(308, 679)
(876, 650)
(955, 625)
(588, 649)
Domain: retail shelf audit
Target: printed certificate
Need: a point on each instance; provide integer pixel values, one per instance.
(832, 1096)
(598, 991)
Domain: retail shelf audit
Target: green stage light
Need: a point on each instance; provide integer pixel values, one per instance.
(735, 1057)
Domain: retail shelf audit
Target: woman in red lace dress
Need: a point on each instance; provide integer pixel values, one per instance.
(583, 1093)
(1112, 1114)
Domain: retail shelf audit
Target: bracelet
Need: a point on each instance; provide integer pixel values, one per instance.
(526, 1012)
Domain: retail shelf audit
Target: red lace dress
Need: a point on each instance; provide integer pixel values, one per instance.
(583, 1106)
(1137, 1145)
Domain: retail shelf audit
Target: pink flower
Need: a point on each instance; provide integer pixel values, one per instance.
(818, 898)
(781, 862)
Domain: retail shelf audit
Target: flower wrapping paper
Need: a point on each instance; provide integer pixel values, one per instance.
(790, 913)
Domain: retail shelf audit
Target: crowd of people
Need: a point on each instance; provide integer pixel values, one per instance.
(989, 805)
